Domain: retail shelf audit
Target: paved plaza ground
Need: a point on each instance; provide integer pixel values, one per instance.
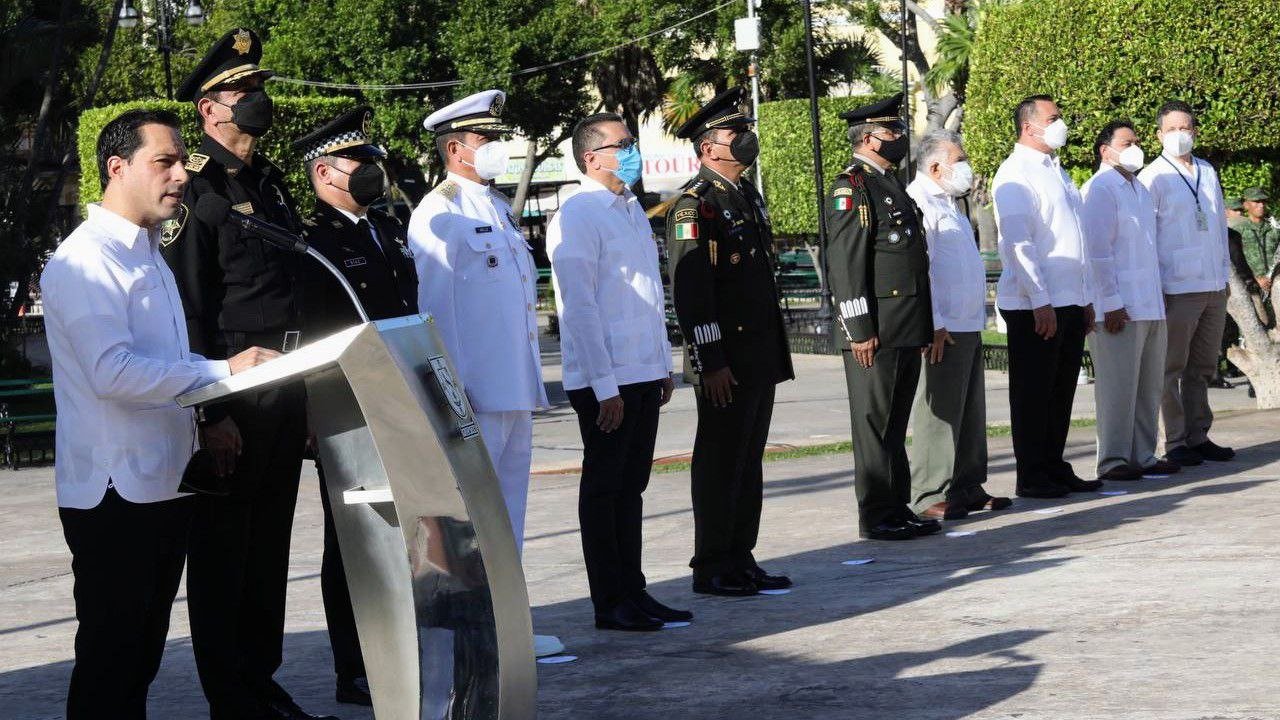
(1160, 604)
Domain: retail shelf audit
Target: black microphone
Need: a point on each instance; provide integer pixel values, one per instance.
(215, 210)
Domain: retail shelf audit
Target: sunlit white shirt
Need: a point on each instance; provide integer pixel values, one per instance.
(604, 263)
(1120, 235)
(1041, 243)
(118, 338)
(957, 279)
(1191, 259)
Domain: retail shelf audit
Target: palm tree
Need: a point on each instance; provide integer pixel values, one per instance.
(631, 84)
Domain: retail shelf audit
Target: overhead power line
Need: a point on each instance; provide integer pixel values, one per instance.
(524, 71)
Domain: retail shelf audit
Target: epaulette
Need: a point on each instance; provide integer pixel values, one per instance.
(698, 188)
(856, 174)
(447, 189)
(196, 162)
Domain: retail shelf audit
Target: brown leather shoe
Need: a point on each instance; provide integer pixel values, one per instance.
(936, 511)
(1162, 467)
(1122, 472)
(989, 502)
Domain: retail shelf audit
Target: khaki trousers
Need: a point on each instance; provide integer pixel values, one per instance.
(1195, 323)
(1128, 367)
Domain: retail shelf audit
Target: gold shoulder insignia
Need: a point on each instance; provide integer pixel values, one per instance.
(698, 188)
(170, 228)
(245, 207)
(448, 189)
(719, 185)
(196, 162)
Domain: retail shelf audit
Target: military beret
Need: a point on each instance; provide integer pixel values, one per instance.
(1255, 193)
(1234, 203)
(724, 111)
(234, 57)
(479, 113)
(347, 135)
(887, 112)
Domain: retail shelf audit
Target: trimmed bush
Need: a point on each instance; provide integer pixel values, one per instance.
(1103, 59)
(294, 117)
(786, 154)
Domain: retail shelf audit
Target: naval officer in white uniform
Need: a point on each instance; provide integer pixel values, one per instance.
(476, 277)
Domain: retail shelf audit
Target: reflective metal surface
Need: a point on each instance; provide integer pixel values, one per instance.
(435, 580)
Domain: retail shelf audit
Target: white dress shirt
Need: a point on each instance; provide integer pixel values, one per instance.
(1120, 237)
(604, 262)
(1041, 243)
(118, 338)
(476, 277)
(957, 278)
(355, 220)
(1191, 259)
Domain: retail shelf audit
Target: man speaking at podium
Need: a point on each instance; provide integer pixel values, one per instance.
(369, 248)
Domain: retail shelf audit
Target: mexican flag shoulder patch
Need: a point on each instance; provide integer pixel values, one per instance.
(842, 203)
(687, 231)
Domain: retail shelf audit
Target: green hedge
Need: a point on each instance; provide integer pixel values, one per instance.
(1104, 59)
(786, 156)
(294, 117)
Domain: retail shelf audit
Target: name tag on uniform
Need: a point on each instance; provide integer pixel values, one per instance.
(1202, 221)
(245, 208)
(355, 262)
(484, 229)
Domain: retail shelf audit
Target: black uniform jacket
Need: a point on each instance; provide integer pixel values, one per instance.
(876, 260)
(723, 284)
(381, 274)
(229, 279)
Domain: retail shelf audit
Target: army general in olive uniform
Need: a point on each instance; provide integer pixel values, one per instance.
(239, 291)
(727, 304)
(877, 267)
(369, 248)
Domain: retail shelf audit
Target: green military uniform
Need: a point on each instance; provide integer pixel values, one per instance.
(727, 303)
(1259, 240)
(877, 267)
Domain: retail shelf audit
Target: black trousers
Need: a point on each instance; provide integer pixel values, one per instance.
(728, 480)
(615, 473)
(348, 662)
(1042, 387)
(239, 558)
(127, 560)
(880, 399)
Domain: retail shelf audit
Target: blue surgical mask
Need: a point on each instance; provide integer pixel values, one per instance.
(629, 164)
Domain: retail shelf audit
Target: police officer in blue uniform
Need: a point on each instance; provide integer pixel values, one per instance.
(239, 291)
(726, 300)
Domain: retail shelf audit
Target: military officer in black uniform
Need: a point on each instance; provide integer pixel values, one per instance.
(238, 291)
(877, 267)
(370, 249)
(727, 303)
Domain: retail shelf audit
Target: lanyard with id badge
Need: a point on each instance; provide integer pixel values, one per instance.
(1202, 220)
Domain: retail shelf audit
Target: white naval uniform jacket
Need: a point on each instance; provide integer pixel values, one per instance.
(476, 277)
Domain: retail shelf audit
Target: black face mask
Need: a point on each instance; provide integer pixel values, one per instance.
(253, 113)
(367, 184)
(745, 147)
(894, 150)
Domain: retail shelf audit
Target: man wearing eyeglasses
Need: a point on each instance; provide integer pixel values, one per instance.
(617, 363)
(877, 267)
(727, 303)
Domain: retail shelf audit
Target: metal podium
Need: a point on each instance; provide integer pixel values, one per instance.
(436, 583)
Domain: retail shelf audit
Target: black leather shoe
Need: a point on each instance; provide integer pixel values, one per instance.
(626, 616)
(653, 608)
(1123, 472)
(1184, 456)
(287, 709)
(353, 691)
(1074, 483)
(727, 585)
(889, 530)
(1042, 491)
(1209, 450)
(921, 526)
(765, 581)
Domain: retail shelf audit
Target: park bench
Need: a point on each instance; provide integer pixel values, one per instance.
(26, 419)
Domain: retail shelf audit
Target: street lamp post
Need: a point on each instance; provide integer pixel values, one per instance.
(816, 131)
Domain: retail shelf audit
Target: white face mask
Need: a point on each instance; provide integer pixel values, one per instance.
(1131, 158)
(1177, 143)
(1055, 135)
(957, 179)
(490, 159)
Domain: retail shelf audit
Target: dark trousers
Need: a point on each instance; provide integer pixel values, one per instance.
(1042, 387)
(615, 473)
(239, 558)
(127, 561)
(348, 662)
(728, 480)
(880, 400)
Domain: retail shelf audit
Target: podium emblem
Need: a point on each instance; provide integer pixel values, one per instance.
(452, 396)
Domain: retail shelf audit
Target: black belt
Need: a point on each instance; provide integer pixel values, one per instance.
(278, 340)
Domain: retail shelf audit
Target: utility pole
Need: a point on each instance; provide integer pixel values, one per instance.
(816, 131)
